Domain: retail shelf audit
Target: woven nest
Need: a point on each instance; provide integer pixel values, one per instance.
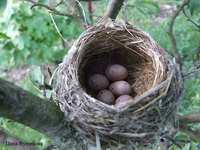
(155, 80)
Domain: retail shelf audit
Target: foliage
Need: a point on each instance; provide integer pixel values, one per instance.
(29, 37)
(33, 38)
(3, 4)
(193, 6)
(25, 134)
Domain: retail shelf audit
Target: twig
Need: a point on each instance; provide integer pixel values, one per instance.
(171, 36)
(89, 4)
(124, 11)
(194, 70)
(84, 15)
(189, 19)
(190, 72)
(52, 9)
(61, 2)
(58, 30)
(174, 141)
(94, 15)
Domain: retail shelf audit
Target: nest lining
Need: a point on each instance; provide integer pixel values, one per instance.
(156, 83)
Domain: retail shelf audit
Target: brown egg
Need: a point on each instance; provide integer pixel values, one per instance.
(98, 82)
(119, 88)
(106, 97)
(116, 72)
(123, 98)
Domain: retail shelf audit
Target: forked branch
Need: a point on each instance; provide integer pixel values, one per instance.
(73, 5)
(171, 35)
(189, 19)
(52, 9)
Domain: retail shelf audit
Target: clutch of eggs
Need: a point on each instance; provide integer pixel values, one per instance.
(121, 89)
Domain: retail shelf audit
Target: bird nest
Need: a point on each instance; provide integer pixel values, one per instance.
(155, 80)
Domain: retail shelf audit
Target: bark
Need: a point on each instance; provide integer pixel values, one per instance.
(190, 118)
(113, 9)
(24, 107)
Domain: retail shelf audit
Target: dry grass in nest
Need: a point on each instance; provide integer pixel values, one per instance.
(156, 83)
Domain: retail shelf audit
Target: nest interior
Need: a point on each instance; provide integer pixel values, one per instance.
(101, 53)
(156, 83)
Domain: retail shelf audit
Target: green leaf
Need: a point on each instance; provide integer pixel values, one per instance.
(48, 93)
(3, 4)
(43, 1)
(193, 5)
(141, 11)
(8, 46)
(36, 76)
(3, 36)
(173, 147)
(154, 4)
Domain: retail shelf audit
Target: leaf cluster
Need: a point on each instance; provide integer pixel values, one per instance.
(29, 37)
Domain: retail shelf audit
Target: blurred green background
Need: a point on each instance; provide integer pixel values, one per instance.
(29, 39)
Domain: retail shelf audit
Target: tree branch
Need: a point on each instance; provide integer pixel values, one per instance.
(76, 12)
(196, 69)
(190, 118)
(186, 119)
(24, 107)
(191, 72)
(171, 36)
(191, 133)
(113, 9)
(189, 19)
(52, 9)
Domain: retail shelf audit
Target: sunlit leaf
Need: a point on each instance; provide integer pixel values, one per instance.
(8, 46)
(36, 76)
(149, 3)
(141, 11)
(3, 36)
(43, 1)
(48, 93)
(194, 5)
(173, 147)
